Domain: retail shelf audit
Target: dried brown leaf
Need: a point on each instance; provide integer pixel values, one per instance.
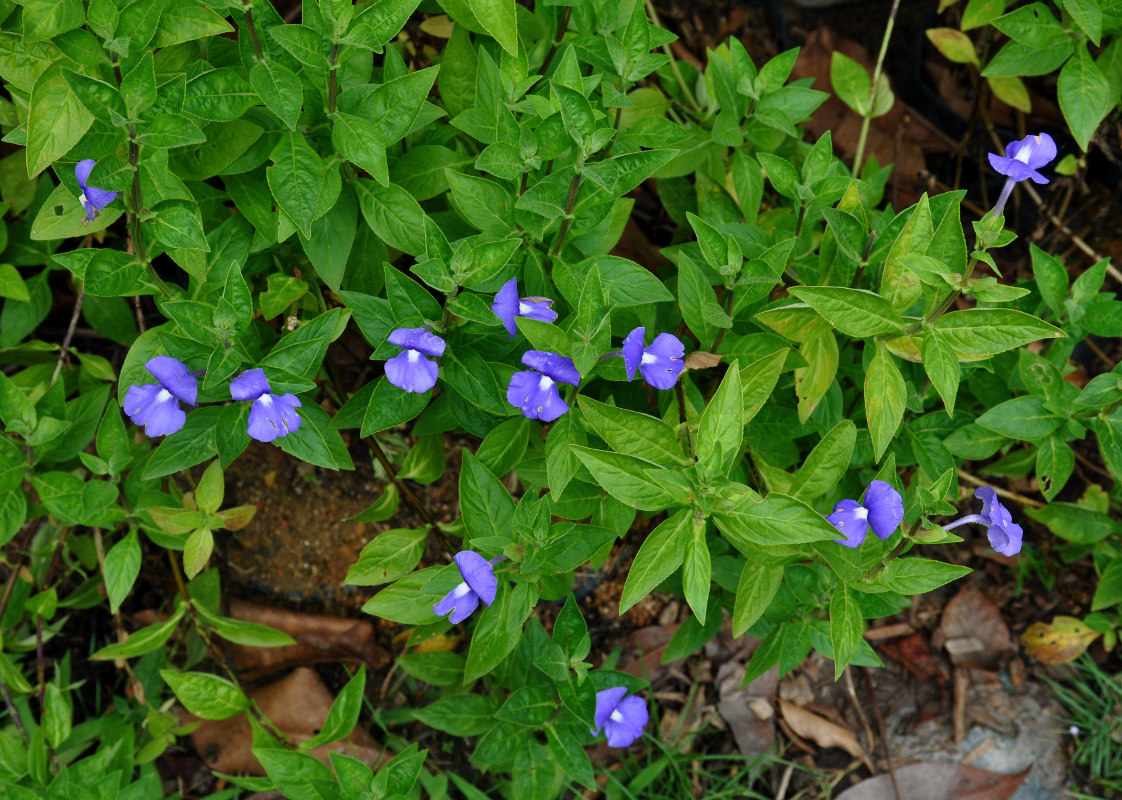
(937, 781)
(821, 731)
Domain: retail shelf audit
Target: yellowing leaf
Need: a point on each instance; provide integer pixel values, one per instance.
(1058, 642)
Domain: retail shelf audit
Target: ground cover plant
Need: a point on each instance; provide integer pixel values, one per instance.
(222, 198)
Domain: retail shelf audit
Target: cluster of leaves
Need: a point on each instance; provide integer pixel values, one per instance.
(293, 183)
(1084, 45)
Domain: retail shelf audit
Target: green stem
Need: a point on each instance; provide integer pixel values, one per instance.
(333, 78)
(254, 39)
(136, 201)
(653, 15)
(570, 203)
(897, 551)
(860, 157)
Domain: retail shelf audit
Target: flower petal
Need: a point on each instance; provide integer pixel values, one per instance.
(174, 376)
(539, 308)
(886, 508)
(988, 497)
(625, 724)
(506, 306)
(559, 368)
(272, 416)
(536, 395)
(154, 407)
(662, 361)
(99, 198)
(851, 518)
(420, 339)
(1006, 539)
(478, 574)
(461, 601)
(82, 171)
(606, 702)
(412, 372)
(633, 351)
(250, 385)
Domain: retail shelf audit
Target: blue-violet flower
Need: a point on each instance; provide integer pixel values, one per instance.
(622, 718)
(411, 370)
(271, 416)
(508, 305)
(882, 510)
(1004, 534)
(479, 583)
(93, 200)
(660, 364)
(535, 392)
(1022, 159)
(156, 405)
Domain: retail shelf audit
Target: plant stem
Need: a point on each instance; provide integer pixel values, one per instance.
(570, 203)
(557, 39)
(653, 15)
(1020, 498)
(65, 349)
(254, 40)
(860, 157)
(333, 78)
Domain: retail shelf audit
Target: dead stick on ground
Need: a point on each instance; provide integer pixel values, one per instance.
(883, 732)
(852, 691)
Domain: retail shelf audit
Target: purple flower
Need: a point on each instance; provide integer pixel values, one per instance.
(479, 583)
(508, 305)
(271, 416)
(93, 200)
(622, 718)
(156, 405)
(661, 363)
(883, 511)
(535, 392)
(1022, 159)
(410, 370)
(1004, 534)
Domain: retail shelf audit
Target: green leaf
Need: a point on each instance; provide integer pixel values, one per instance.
(941, 365)
(776, 520)
(122, 565)
(1085, 95)
(100, 99)
(629, 479)
(981, 12)
(854, 312)
(955, 46)
(500, 20)
(1109, 590)
(459, 714)
(178, 224)
(410, 599)
(297, 775)
(187, 21)
(758, 379)
(56, 120)
(987, 331)
(393, 215)
(826, 464)
(697, 569)
(388, 556)
(43, 19)
(700, 309)
(758, 585)
(529, 706)
(170, 130)
(918, 575)
(197, 550)
(498, 630)
(483, 204)
(847, 626)
(487, 506)
(457, 72)
(296, 180)
(390, 406)
(634, 434)
(144, 640)
(279, 89)
(315, 441)
(851, 82)
(343, 714)
(661, 553)
(1075, 523)
(434, 667)
(221, 95)
(240, 631)
(1055, 461)
(362, 145)
(885, 396)
(206, 696)
(1024, 418)
(721, 429)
